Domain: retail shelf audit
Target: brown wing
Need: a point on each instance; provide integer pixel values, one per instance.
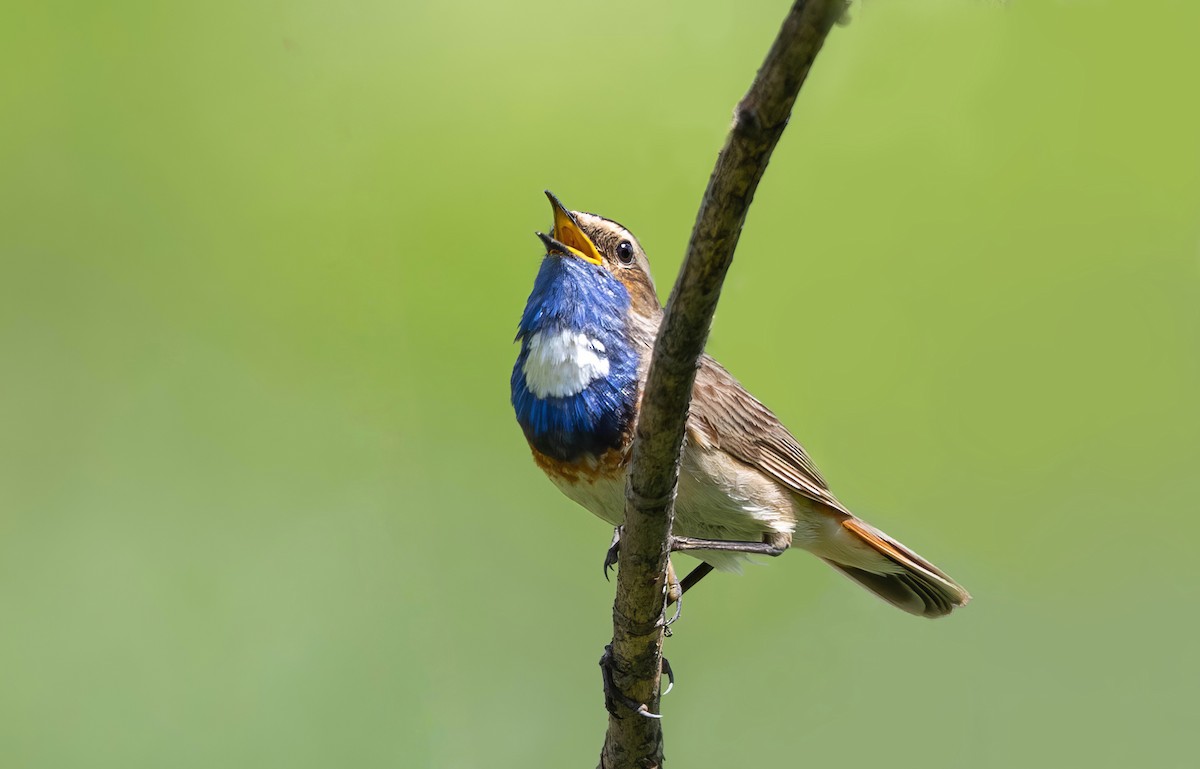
(724, 415)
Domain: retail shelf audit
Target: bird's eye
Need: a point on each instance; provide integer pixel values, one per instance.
(625, 252)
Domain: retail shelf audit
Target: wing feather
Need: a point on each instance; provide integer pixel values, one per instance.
(724, 415)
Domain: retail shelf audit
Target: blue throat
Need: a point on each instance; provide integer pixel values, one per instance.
(571, 295)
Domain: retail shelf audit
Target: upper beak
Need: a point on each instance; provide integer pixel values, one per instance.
(568, 237)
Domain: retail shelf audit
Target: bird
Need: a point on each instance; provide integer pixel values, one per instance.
(745, 485)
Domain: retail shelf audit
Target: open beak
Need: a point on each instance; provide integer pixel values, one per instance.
(568, 238)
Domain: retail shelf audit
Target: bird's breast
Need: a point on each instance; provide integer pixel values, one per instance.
(595, 482)
(574, 391)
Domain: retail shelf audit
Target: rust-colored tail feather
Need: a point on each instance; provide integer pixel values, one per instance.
(918, 587)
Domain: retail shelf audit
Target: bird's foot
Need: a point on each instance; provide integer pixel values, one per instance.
(674, 595)
(613, 695)
(610, 556)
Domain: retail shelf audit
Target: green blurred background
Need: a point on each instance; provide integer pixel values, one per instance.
(262, 498)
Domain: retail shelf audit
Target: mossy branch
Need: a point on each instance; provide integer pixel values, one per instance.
(634, 741)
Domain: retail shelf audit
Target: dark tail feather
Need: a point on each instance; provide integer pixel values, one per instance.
(918, 587)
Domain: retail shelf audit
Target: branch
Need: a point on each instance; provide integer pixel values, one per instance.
(632, 740)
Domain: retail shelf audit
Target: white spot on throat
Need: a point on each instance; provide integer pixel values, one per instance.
(562, 363)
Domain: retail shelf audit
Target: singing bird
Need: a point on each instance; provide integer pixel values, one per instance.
(745, 485)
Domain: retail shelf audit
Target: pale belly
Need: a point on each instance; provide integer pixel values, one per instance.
(718, 499)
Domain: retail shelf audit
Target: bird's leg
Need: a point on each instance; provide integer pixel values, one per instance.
(613, 695)
(674, 591)
(674, 596)
(753, 548)
(610, 556)
(677, 589)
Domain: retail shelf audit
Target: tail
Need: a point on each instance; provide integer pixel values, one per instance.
(897, 574)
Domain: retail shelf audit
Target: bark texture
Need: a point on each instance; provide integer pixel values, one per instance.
(635, 741)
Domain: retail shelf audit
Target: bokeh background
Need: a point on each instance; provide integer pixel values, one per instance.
(262, 498)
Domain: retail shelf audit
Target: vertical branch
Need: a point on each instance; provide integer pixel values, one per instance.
(759, 119)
